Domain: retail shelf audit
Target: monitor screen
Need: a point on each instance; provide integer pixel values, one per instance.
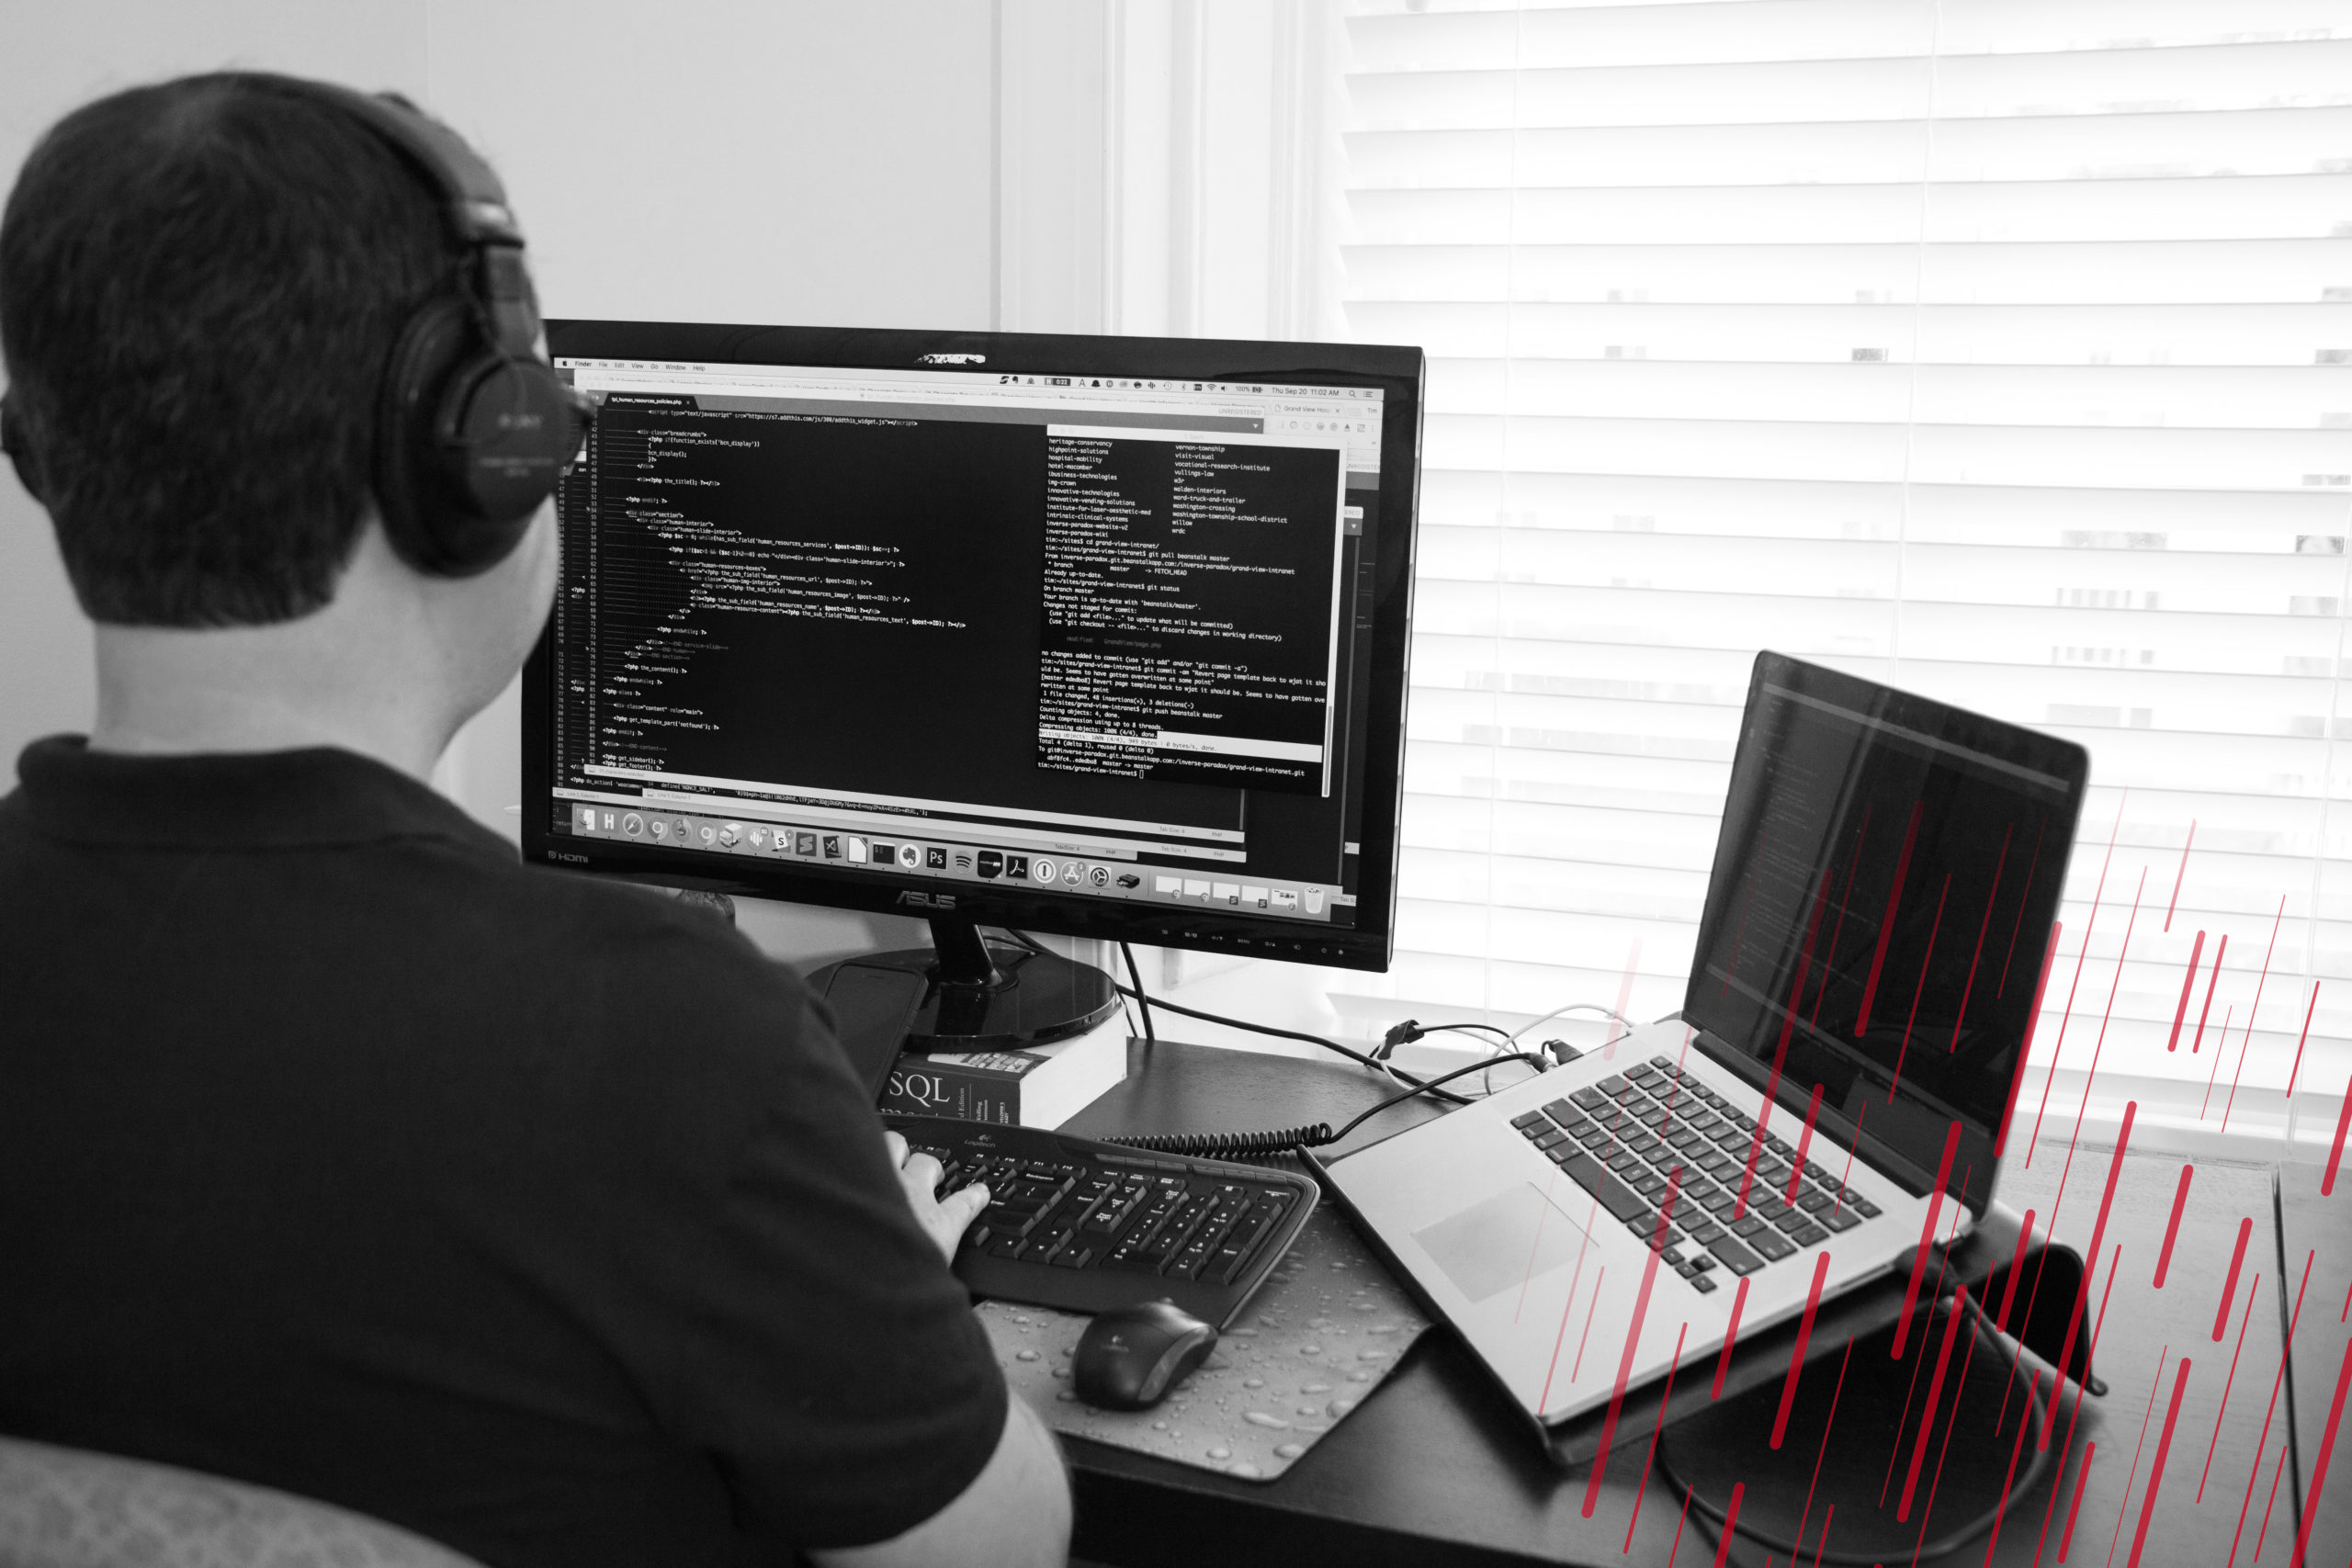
(1884, 882)
(1096, 635)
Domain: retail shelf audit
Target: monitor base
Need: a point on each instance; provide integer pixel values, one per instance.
(979, 998)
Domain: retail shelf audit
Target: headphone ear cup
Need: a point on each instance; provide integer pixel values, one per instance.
(506, 429)
(19, 450)
(468, 443)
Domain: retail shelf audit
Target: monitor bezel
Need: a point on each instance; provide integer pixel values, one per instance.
(1397, 372)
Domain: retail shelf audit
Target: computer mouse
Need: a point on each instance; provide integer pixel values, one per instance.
(1130, 1357)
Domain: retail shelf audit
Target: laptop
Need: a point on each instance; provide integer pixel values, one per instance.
(1868, 965)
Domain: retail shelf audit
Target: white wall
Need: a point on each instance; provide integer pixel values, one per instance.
(763, 161)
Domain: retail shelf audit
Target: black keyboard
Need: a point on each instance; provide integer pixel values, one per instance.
(1086, 1226)
(1621, 1139)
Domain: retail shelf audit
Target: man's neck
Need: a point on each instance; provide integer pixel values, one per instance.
(389, 668)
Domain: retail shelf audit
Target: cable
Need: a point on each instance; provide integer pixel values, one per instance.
(1351, 1054)
(1573, 1007)
(1147, 1001)
(1141, 1000)
(1227, 1145)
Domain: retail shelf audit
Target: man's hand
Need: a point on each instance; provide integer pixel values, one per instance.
(944, 1220)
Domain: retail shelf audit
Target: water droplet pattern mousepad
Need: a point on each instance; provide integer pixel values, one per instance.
(1312, 1345)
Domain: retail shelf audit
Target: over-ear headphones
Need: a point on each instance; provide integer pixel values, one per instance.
(473, 429)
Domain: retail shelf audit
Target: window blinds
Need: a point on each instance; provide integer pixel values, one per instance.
(1999, 349)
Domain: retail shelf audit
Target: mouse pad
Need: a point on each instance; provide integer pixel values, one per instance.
(1311, 1346)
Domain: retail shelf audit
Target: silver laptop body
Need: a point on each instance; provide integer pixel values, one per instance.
(1874, 933)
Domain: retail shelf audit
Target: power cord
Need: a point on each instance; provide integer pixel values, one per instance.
(1142, 1001)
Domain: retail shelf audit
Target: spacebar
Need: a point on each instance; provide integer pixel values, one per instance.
(1615, 1196)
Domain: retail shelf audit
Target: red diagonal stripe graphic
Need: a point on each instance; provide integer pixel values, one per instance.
(2083, 1293)
(2025, 1046)
(1633, 1340)
(2286, 1346)
(2229, 1285)
(1823, 1451)
(2067, 1017)
(2172, 1226)
(2177, 877)
(1927, 1235)
(2188, 985)
(2156, 1470)
(1886, 923)
(1796, 1356)
(2248, 1038)
(1731, 1522)
(1731, 1336)
(2302, 1039)
(1655, 1427)
(2017, 1447)
(1804, 1145)
(2024, 894)
(1919, 990)
(2319, 1465)
(2252, 1291)
(2212, 980)
(2336, 1149)
(1983, 925)
(1935, 1395)
(2074, 1509)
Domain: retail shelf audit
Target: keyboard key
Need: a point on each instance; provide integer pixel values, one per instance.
(1650, 1183)
(1749, 1225)
(1559, 1110)
(1840, 1219)
(1673, 1255)
(1772, 1245)
(1808, 1236)
(1664, 1062)
(1619, 1199)
(1813, 1200)
(1551, 1139)
(1703, 1261)
(1735, 1256)
(1789, 1221)
(1618, 1086)
(1863, 1205)
(1590, 1099)
(1531, 1119)
(1701, 1284)
(1705, 1230)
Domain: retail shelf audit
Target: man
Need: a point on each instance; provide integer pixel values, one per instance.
(339, 1152)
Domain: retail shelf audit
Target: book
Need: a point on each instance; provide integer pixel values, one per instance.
(1043, 1086)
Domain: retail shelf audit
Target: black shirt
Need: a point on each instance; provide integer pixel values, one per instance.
(341, 1152)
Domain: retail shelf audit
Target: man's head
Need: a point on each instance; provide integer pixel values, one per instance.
(207, 287)
(200, 285)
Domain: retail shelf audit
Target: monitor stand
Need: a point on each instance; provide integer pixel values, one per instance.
(1002, 998)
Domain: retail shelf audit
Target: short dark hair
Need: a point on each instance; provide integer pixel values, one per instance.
(200, 284)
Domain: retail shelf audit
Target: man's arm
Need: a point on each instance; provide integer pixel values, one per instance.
(1015, 1512)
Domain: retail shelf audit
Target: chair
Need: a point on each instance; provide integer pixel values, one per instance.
(71, 1508)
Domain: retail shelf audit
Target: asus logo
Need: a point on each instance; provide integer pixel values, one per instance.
(951, 360)
(927, 901)
(568, 859)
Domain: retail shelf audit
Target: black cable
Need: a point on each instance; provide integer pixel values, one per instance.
(1230, 1146)
(1145, 1001)
(1351, 1054)
(1527, 1056)
(1141, 1000)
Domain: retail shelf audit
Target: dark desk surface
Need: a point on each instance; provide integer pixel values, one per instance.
(1437, 1468)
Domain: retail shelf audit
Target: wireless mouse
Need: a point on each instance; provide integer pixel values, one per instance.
(1130, 1357)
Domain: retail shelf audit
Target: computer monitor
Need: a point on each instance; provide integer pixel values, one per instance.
(1093, 635)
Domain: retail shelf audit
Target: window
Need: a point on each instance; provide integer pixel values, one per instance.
(1999, 349)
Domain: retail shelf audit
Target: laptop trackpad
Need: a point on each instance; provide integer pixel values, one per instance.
(1504, 1241)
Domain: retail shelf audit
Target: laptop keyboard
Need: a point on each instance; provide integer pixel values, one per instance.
(1621, 1138)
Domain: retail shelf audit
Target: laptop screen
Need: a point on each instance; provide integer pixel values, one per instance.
(1883, 888)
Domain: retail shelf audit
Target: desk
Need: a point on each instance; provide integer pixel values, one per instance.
(1437, 1469)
